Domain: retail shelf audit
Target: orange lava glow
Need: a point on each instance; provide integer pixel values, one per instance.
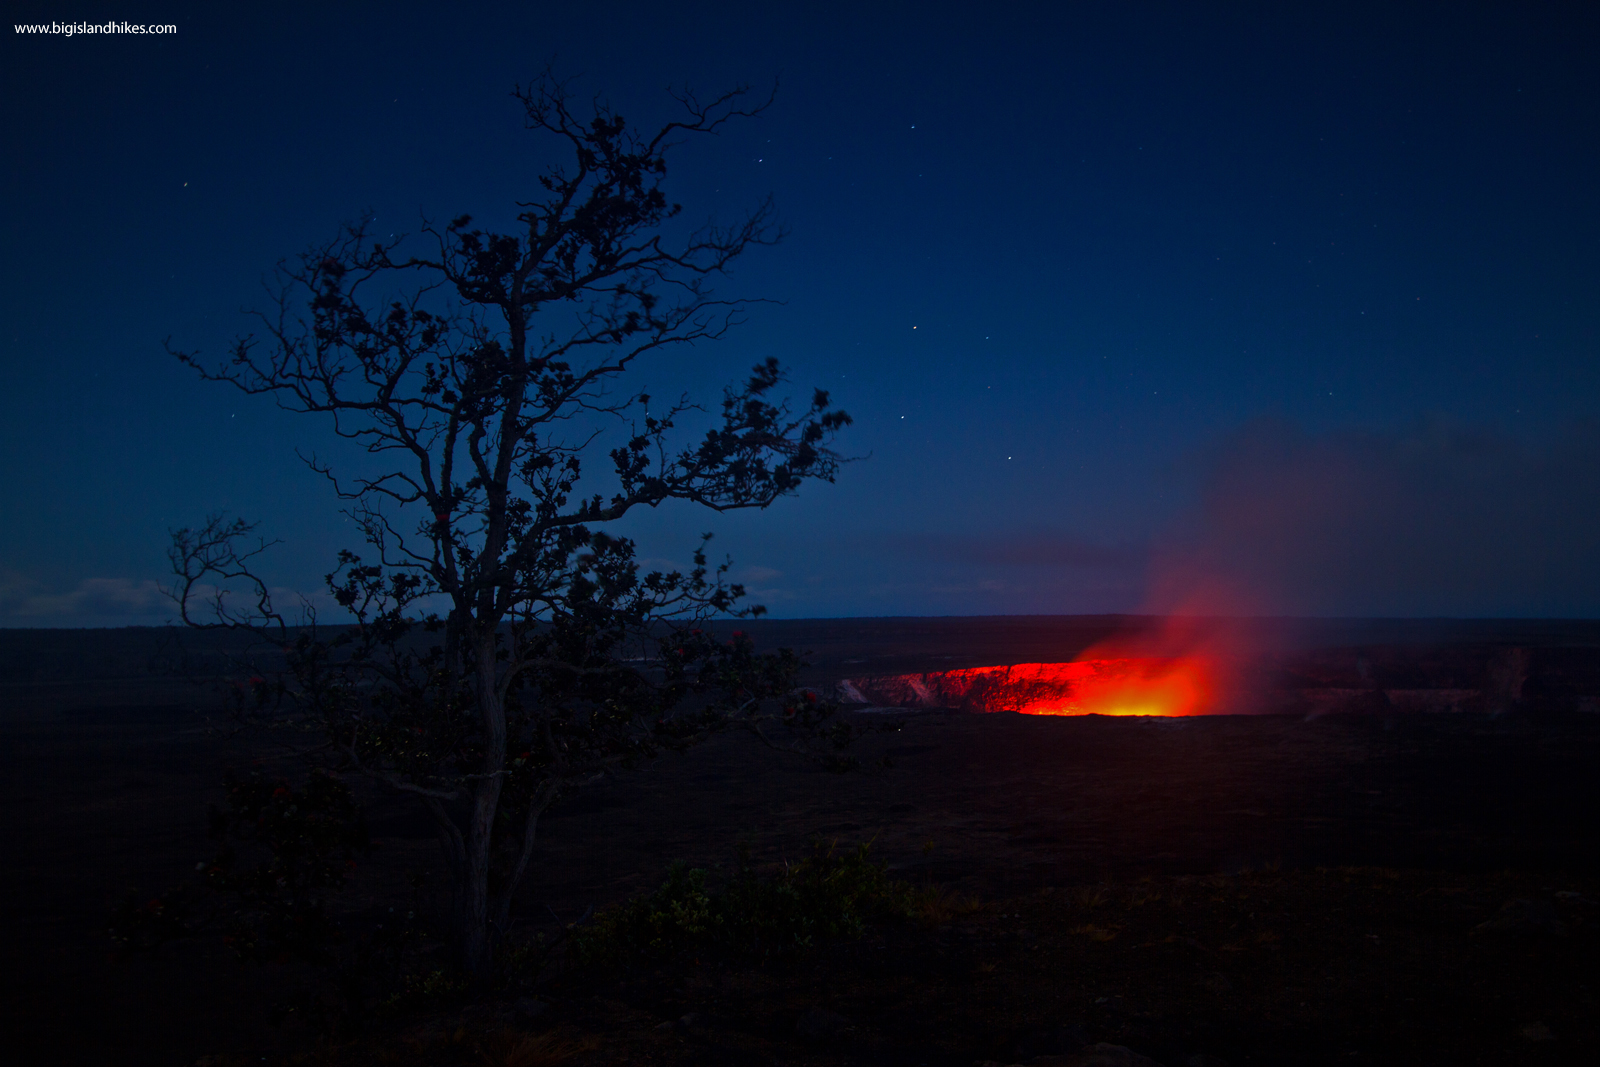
(1107, 684)
(1168, 687)
(1180, 666)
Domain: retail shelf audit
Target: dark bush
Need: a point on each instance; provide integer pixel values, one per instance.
(831, 894)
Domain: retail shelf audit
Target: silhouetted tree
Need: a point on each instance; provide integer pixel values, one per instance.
(494, 660)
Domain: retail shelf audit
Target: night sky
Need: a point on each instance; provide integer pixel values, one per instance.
(1277, 308)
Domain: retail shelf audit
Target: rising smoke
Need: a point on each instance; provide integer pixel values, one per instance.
(1436, 521)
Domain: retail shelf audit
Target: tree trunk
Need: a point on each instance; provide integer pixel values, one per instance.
(477, 952)
(477, 932)
(530, 828)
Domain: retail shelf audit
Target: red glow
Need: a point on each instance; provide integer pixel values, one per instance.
(1098, 686)
(1181, 666)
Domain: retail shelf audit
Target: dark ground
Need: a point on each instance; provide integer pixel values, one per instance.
(105, 772)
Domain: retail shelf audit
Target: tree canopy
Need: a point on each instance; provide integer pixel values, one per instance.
(505, 645)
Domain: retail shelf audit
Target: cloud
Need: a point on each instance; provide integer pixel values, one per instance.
(1003, 572)
(1437, 520)
(96, 602)
(763, 585)
(1025, 550)
(757, 575)
(27, 602)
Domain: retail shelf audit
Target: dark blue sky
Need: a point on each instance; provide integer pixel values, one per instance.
(1278, 307)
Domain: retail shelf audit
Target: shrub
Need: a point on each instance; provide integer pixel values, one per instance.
(832, 894)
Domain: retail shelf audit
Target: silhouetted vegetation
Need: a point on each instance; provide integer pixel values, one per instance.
(828, 895)
(506, 648)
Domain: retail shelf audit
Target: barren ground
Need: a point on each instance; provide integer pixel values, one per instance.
(105, 781)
